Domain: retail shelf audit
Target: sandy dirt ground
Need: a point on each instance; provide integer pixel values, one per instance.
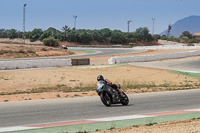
(186, 126)
(26, 79)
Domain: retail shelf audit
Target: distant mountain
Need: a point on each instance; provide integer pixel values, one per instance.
(191, 24)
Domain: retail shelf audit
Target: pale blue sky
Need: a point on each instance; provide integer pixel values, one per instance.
(98, 14)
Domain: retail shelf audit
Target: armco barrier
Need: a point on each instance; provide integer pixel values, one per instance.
(142, 58)
(23, 64)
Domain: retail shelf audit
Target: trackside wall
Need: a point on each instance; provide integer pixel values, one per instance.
(23, 64)
(142, 58)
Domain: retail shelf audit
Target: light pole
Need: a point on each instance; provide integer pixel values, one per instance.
(74, 21)
(24, 34)
(168, 31)
(129, 25)
(153, 25)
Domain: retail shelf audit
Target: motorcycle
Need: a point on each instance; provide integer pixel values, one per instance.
(109, 95)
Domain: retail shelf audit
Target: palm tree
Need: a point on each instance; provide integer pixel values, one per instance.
(65, 29)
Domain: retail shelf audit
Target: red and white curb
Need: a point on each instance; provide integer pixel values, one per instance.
(66, 123)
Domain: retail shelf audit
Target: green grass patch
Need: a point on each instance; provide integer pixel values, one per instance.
(189, 74)
(122, 64)
(86, 52)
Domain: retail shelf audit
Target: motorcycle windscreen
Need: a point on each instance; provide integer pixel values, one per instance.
(99, 86)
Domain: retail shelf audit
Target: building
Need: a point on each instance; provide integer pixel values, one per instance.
(196, 36)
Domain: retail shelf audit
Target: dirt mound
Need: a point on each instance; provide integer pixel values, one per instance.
(138, 43)
(9, 51)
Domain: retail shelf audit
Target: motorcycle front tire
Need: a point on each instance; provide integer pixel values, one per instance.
(105, 101)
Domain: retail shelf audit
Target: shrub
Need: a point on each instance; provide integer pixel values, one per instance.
(51, 41)
(21, 51)
(193, 41)
(44, 49)
(30, 51)
(132, 44)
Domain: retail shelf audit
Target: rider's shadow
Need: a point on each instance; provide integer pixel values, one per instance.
(119, 106)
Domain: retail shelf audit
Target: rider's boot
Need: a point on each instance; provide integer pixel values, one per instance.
(121, 94)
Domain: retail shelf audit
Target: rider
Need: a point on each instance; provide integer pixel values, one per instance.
(101, 78)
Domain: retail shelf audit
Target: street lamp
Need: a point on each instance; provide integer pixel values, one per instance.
(74, 21)
(24, 11)
(129, 24)
(153, 25)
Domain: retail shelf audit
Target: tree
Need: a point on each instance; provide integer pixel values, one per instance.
(51, 41)
(97, 36)
(66, 30)
(51, 32)
(72, 36)
(12, 33)
(187, 34)
(106, 33)
(117, 37)
(2, 33)
(164, 37)
(156, 37)
(35, 34)
(142, 34)
(84, 38)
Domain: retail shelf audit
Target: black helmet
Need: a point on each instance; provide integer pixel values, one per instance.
(100, 77)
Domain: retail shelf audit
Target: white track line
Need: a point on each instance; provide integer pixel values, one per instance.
(192, 110)
(121, 118)
(188, 71)
(18, 128)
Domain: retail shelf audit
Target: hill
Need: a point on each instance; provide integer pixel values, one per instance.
(191, 24)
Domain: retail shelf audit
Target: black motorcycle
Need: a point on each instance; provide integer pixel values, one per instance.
(109, 95)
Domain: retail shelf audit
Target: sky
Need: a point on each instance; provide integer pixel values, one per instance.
(96, 14)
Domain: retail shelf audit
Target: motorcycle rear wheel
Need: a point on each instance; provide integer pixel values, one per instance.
(125, 100)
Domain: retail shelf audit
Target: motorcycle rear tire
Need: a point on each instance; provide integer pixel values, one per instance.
(125, 100)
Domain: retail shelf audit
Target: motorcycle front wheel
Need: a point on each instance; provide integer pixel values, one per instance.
(105, 98)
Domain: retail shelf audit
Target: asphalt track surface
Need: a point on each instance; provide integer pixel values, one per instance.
(99, 52)
(70, 109)
(186, 65)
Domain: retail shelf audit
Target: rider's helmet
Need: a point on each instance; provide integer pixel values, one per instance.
(100, 77)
